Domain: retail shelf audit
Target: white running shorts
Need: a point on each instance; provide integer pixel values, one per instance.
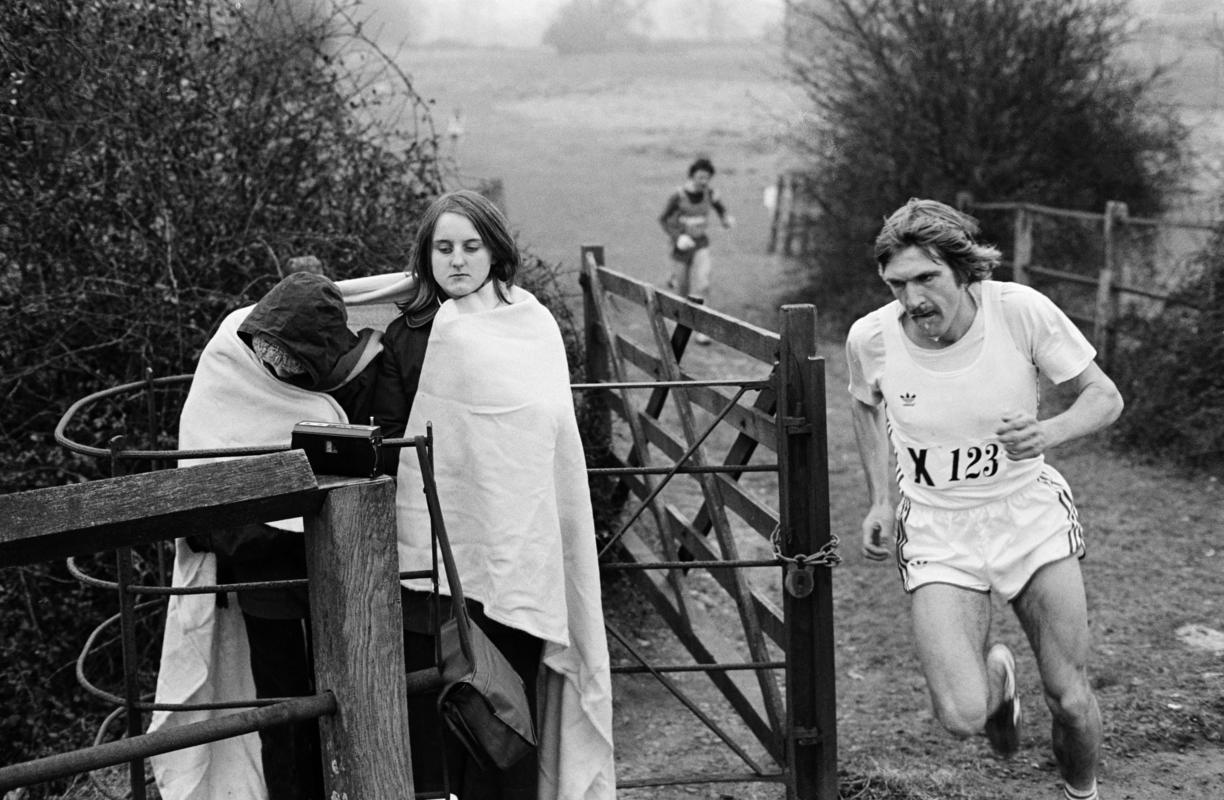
(997, 546)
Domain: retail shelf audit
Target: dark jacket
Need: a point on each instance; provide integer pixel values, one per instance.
(399, 374)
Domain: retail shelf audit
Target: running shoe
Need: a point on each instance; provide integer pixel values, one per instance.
(1003, 724)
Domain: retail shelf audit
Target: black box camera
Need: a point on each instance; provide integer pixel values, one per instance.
(337, 448)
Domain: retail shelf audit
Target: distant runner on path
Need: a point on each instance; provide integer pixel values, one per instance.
(686, 220)
(948, 372)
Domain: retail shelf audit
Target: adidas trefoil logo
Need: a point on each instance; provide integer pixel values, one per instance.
(908, 398)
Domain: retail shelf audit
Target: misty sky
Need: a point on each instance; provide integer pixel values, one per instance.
(521, 23)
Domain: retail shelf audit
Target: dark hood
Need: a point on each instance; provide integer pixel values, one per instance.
(305, 314)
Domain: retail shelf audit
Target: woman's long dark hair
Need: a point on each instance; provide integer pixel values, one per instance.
(494, 231)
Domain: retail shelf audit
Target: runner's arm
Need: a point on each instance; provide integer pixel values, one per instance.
(670, 218)
(871, 437)
(724, 216)
(1097, 404)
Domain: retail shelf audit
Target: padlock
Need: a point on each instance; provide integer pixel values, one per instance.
(799, 581)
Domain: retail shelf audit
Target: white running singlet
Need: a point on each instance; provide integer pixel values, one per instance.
(942, 422)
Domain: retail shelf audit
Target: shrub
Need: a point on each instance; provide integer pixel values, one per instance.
(160, 161)
(1005, 99)
(1170, 374)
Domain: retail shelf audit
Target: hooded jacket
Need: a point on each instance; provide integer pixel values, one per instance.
(305, 316)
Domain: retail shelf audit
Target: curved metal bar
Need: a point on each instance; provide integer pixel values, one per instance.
(254, 702)
(89, 399)
(86, 578)
(106, 723)
(117, 700)
(220, 588)
(132, 455)
(162, 591)
(85, 683)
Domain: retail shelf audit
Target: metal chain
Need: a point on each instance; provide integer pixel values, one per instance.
(826, 556)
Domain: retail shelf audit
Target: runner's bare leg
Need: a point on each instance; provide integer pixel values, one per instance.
(1054, 613)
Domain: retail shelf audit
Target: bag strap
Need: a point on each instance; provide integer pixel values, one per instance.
(442, 542)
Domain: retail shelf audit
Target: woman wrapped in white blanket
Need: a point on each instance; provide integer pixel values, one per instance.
(482, 361)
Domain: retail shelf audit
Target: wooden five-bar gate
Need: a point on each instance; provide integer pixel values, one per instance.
(636, 341)
(688, 477)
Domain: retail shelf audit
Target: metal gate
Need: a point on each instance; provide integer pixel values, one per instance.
(703, 455)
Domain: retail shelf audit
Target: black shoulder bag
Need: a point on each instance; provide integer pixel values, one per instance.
(483, 701)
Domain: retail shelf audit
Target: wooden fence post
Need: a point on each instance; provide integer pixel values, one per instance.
(598, 354)
(1022, 245)
(1121, 266)
(803, 482)
(775, 214)
(792, 218)
(1106, 305)
(359, 641)
(598, 368)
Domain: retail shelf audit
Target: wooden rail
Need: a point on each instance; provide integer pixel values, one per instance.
(1109, 282)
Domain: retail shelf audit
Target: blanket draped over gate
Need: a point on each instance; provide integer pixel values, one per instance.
(234, 401)
(512, 485)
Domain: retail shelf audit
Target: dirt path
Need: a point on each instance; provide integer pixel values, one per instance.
(587, 149)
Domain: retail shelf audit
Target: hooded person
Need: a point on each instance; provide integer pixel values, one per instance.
(288, 358)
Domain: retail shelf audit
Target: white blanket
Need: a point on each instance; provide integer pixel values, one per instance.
(233, 402)
(512, 485)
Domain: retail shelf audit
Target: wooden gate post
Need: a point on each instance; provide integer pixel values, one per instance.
(1106, 300)
(803, 482)
(598, 369)
(1022, 245)
(359, 641)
